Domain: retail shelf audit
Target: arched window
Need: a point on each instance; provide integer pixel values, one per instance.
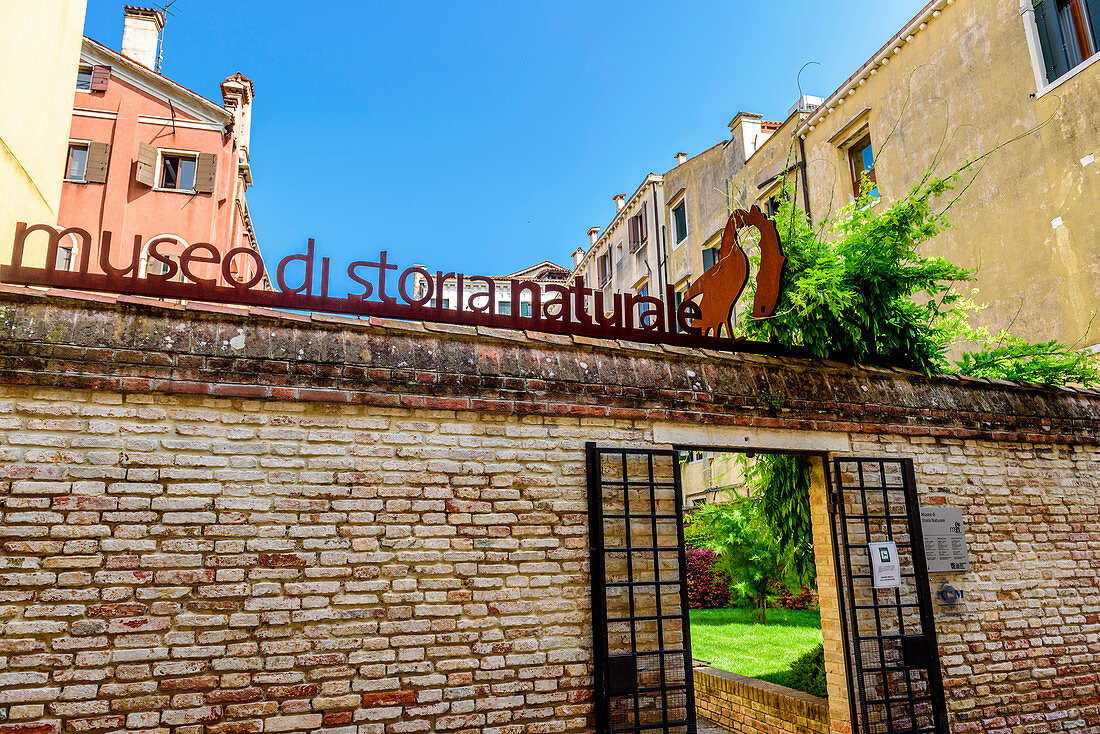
(151, 266)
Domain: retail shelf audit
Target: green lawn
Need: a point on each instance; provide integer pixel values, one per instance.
(729, 639)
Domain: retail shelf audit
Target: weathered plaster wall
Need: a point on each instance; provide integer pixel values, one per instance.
(222, 522)
(39, 57)
(958, 89)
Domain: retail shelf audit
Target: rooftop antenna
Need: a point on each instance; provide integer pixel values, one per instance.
(165, 11)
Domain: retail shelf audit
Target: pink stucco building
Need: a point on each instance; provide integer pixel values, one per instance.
(150, 157)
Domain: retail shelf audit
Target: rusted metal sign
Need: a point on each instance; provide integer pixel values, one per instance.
(383, 289)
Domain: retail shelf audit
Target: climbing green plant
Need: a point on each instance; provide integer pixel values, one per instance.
(750, 554)
(857, 289)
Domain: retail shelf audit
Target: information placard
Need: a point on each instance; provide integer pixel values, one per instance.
(944, 539)
(885, 568)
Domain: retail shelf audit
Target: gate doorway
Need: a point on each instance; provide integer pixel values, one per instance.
(895, 661)
(641, 628)
(641, 633)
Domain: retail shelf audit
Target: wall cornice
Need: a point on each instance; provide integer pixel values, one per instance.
(134, 345)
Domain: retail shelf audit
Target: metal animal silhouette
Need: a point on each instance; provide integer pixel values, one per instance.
(723, 283)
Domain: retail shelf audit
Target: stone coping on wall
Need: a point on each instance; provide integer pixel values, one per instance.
(132, 344)
(745, 704)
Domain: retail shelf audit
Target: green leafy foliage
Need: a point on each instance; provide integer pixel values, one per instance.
(782, 484)
(749, 553)
(857, 289)
(807, 673)
(1045, 363)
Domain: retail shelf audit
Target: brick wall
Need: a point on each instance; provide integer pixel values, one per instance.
(748, 706)
(237, 566)
(1022, 654)
(221, 522)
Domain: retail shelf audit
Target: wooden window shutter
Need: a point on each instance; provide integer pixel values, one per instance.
(1050, 38)
(1092, 9)
(100, 75)
(146, 165)
(99, 155)
(643, 227)
(205, 173)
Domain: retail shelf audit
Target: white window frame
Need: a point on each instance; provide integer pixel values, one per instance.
(159, 170)
(1035, 51)
(143, 260)
(680, 199)
(72, 142)
(91, 70)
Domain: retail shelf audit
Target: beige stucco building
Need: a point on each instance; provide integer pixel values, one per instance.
(627, 256)
(39, 57)
(961, 80)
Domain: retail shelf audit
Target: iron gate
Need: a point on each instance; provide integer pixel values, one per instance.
(640, 632)
(895, 662)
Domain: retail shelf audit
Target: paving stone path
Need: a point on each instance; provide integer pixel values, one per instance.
(702, 726)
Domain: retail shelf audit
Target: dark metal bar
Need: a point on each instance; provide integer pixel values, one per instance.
(630, 589)
(599, 596)
(689, 675)
(924, 597)
(855, 652)
(657, 589)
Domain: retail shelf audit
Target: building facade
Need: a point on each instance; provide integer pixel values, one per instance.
(628, 255)
(476, 289)
(1014, 85)
(148, 157)
(39, 55)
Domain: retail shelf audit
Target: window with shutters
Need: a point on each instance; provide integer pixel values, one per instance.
(603, 268)
(84, 78)
(1068, 35)
(680, 222)
(642, 308)
(861, 161)
(76, 165)
(92, 78)
(636, 229)
(177, 171)
(64, 258)
(504, 308)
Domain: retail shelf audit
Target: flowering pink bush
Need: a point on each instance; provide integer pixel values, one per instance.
(707, 587)
(805, 598)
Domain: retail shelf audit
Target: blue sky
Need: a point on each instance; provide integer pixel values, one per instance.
(486, 136)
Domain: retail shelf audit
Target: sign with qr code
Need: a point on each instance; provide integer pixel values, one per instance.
(944, 539)
(885, 567)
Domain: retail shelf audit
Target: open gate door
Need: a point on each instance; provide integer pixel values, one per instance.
(894, 660)
(640, 631)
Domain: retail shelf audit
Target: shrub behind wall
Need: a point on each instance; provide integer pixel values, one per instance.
(707, 587)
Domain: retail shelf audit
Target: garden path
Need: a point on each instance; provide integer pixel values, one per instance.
(702, 726)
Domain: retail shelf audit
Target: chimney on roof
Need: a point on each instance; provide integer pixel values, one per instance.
(141, 34)
(237, 96)
(578, 255)
(745, 133)
(593, 234)
(681, 158)
(620, 202)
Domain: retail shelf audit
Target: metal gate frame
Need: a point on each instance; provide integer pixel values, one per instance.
(617, 675)
(917, 652)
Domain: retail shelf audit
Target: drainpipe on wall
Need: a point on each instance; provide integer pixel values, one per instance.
(662, 263)
(805, 178)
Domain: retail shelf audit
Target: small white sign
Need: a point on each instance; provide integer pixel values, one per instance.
(885, 568)
(944, 539)
(1088, 159)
